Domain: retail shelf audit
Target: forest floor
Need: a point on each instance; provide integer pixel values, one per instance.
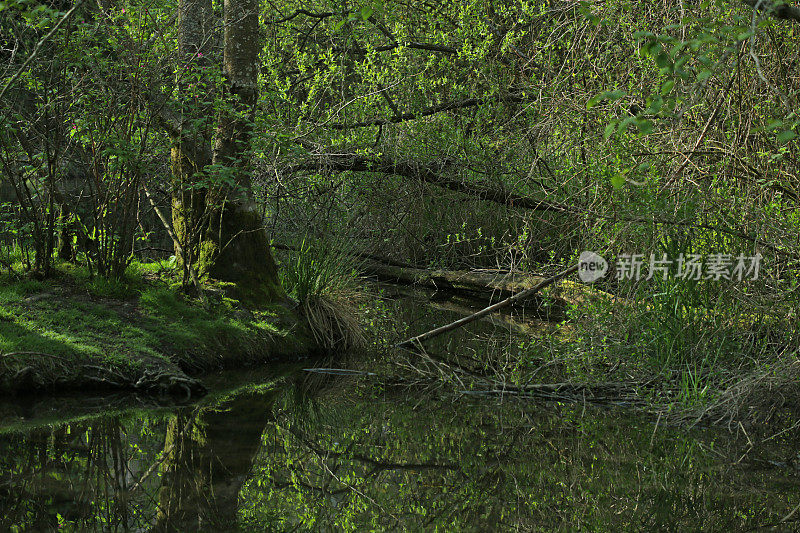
(76, 331)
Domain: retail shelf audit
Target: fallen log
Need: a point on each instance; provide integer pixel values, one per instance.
(480, 281)
(491, 285)
(481, 285)
(419, 339)
(494, 285)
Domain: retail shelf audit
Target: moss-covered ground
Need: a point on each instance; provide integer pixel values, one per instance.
(78, 331)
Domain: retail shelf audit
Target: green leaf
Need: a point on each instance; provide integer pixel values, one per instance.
(614, 95)
(663, 60)
(667, 87)
(645, 126)
(610, 129)
(617, 180)
(655, 105)
(652, 48)
(625, 123)
(676, 49)
(705, 60)
(786, 136)
(703, 75)
(366, 12)
(607, 95)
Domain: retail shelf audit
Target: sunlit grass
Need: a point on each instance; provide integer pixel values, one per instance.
(73, 320)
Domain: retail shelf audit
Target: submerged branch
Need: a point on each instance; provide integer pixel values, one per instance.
(419, 339)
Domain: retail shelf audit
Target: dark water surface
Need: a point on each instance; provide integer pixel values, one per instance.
(299, 450)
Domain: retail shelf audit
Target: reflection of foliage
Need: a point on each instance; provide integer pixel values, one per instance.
(357, 457)
(424, 464)
(79, 476)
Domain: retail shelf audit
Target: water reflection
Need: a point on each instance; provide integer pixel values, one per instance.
(319, 452)
(313, 451)
(207, 456)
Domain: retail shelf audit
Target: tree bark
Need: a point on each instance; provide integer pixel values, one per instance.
(191, 140)
(237, 249)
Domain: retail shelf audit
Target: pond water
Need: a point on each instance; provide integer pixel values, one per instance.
(293, 449)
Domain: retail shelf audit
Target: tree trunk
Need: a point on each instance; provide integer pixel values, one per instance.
(237, 249)
(191, 144)
(219, 227)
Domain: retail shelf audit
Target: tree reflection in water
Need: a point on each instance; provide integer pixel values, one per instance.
(325, 452)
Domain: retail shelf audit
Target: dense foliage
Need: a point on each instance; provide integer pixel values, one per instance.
(508, 136)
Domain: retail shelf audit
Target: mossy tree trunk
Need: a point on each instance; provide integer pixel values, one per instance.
(237, 249)
(214, 215)
(191, 146)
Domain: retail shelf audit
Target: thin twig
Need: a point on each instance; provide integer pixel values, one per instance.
(43, 40)
(178, 248)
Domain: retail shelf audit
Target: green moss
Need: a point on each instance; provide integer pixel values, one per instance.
(240, 254)
(60, 328)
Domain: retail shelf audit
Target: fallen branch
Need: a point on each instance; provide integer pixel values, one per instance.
(433, 173)
(486, 310)
(428, 111)
(430, 173)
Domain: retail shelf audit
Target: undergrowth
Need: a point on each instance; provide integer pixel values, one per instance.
(322, 276)
(685, 346)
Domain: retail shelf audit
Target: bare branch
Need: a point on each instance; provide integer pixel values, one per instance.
(428, 111)
(36, 49)
(486, 310)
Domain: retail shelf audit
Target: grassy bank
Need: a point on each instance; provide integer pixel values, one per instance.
(694, 351)
(75, 331)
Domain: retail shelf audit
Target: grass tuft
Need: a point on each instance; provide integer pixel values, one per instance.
(322, 276)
